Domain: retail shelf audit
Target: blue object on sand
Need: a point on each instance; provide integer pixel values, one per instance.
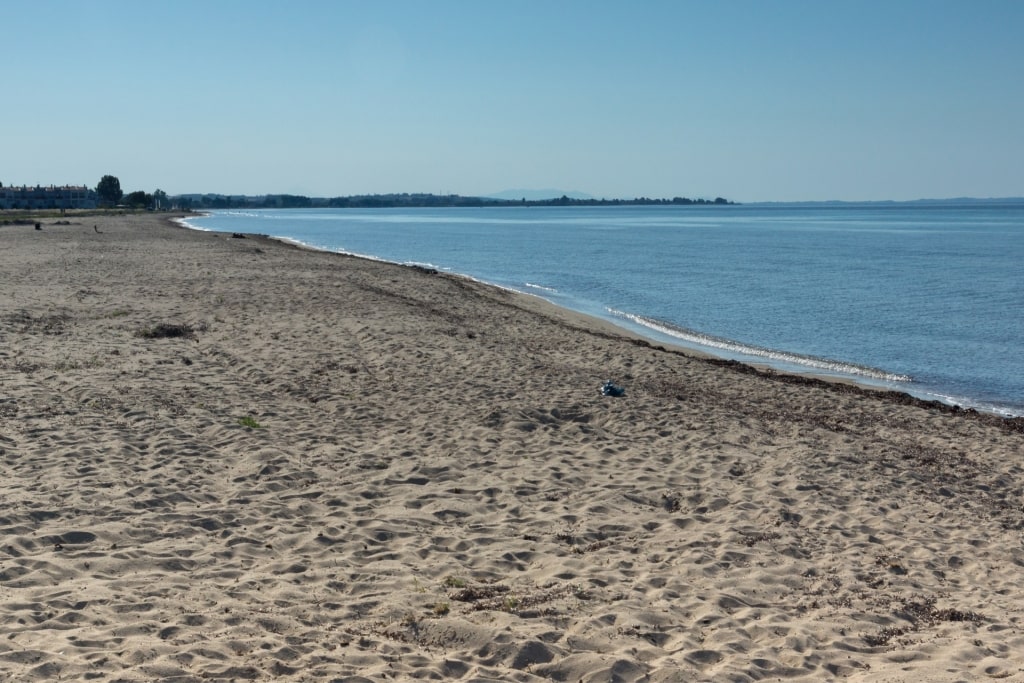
(609, 389)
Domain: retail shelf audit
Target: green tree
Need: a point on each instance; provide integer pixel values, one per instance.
(109, 190)
(138, 199)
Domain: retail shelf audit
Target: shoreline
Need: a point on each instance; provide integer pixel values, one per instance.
(236, 458)
(632, 329)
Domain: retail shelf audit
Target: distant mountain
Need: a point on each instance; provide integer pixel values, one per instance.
(537, 195)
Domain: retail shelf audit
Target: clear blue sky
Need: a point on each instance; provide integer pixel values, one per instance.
(750, 100)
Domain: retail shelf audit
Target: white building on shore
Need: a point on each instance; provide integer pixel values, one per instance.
(49, 197)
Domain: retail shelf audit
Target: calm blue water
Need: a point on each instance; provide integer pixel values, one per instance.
(925, 299)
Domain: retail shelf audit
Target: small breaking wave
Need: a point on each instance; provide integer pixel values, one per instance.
(984, 406)
(187, 223)
(542, 288)
(730, 346)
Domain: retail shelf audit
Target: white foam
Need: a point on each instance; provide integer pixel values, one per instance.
(730, 346)
(542, 288)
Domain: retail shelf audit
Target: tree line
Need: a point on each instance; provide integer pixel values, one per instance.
(109, 192)
(405, 200)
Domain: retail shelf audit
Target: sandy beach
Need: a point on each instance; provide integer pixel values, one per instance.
(229, 458)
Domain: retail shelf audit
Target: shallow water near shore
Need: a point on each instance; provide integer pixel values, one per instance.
(926, 299)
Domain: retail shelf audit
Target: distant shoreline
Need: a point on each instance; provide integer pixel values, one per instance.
(209, 201)
(414, 201)
(915, 203)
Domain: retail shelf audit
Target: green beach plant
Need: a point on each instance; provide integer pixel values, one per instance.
(454, 582)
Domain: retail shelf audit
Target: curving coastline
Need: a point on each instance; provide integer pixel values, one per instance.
(592, 261)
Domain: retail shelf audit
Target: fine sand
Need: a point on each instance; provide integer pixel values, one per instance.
(431, 486)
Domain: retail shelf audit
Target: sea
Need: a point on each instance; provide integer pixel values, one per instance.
(922, 298)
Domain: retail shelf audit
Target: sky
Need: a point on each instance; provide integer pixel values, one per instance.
(770, 100)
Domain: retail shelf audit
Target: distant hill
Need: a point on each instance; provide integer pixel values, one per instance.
(536, 195)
